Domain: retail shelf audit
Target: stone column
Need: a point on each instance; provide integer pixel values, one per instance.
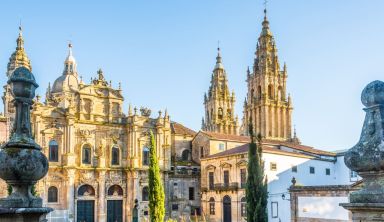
(71, 194)
(367, 159)
(101, 211)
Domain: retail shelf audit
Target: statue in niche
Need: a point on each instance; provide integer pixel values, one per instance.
(101, 148)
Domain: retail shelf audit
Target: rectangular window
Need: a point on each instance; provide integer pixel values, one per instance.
(212, 208)
(175, 207)
(353, 176)
(243, 177)
(201, 152)
(191, 193)
(226, 178)
(327, 171)
(312, 170)
(221, 146)
(273, 166)
(211, 180)
(243, 209)
(294, 169)
(275, 209)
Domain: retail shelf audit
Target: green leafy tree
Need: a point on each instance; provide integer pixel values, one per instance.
(33, 190)
(256, 188)
(156, 190)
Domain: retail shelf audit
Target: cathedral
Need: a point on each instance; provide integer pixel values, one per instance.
(98, 155)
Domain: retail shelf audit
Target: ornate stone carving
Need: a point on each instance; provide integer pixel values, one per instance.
(145, 111)
(101, 148)
(86, 177)
(22, 163)
(367, 156)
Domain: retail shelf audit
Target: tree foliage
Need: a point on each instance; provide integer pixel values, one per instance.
(256, 188)
(156, 190)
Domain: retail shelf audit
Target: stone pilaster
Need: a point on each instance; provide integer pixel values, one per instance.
(71, 194)
(101, 211)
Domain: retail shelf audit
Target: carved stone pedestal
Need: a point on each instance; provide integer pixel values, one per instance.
(24, 214)
(365, 212)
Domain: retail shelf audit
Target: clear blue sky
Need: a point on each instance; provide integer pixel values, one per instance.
(163, 52)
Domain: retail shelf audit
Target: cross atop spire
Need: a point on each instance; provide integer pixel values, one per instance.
(265, 8)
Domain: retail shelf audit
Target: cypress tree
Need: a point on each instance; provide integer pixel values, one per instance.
(156, 190)
(256, 188)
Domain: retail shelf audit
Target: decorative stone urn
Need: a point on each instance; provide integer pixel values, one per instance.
(367, 158)
(22, 163)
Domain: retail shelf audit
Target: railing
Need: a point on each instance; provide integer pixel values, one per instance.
(226, 186)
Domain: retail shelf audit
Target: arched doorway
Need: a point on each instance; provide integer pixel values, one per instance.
(227, 215)
(115, 204)
(85, 204)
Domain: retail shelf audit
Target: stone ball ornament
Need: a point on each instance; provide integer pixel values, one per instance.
(23, 83)
(22, 163)
(367, 156)
(373, 94)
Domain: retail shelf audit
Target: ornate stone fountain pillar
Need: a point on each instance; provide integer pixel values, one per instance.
(22, 163)
(367, 158)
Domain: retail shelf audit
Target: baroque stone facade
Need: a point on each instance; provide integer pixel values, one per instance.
(98, 154)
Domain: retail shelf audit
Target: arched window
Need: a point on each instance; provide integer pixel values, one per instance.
(52, 195)
(86, 154)
(145, 194)
(259, 92)
(145, 156)
(220, 113)
(86, 190)
(243, 207)
(270, 92)
(115, 156)
(185, 155)
(115, 190)
(53, 151)
(212, 206)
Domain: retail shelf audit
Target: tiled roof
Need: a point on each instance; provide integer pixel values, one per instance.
(244, 149)
(307, 151)
(304, 148)
(177, 128)
(221, 136)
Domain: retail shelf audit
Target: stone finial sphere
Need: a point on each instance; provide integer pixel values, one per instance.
(23, 83)
(373, 94)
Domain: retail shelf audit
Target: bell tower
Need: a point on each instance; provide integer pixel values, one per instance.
(220, 103)
(267, 104)
(18, 58)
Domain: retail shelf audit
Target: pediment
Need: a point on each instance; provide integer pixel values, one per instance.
(225, 165)
(210, 167)
(242, 163)
(52, 130)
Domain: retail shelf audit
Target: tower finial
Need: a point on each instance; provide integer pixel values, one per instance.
(70, 47)
(20, 40)
(218, 57)
(265, 9)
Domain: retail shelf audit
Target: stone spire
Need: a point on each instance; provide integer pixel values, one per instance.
(19, 57)
(267, 104)
(219, 102)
